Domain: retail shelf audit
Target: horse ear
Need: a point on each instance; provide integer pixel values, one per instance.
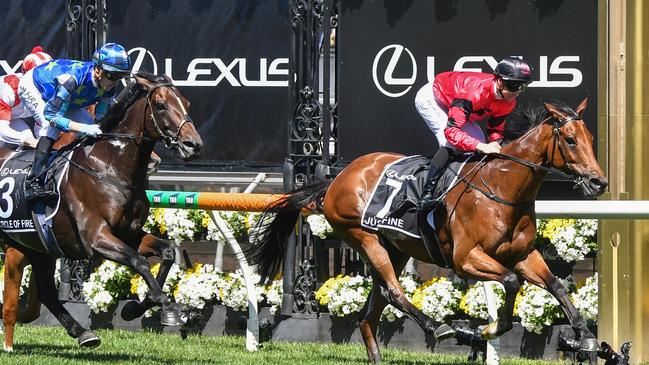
(582, 106)
(143, 82)
(556, 113)
(166, 77)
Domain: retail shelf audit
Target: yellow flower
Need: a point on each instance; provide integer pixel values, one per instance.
(553, 225)
(418, 295)
(322, 295)
(205, 221)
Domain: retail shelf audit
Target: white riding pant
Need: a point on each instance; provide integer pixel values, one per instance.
(436, 117)
(34, 102)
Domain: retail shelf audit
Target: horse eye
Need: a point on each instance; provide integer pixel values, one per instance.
(571, 142)
(160, 106)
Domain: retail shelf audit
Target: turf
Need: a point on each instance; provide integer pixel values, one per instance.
(51, 345)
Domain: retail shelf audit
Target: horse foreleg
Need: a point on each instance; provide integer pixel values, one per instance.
(478, 265)
(151, 246)
(43, 267)
(112, 248)
(536, 271)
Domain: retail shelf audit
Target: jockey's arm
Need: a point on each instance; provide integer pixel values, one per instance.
(458, 115)
(10, 135)
(102, 107)
(56, 107)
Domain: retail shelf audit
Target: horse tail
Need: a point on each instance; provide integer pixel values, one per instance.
(267, 248)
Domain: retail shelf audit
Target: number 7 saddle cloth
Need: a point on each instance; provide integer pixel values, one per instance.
(394, 199)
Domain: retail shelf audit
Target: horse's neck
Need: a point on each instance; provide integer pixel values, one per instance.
(532, 147)
(127, 158)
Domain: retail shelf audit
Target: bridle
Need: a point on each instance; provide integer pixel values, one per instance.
(168, 141)
(547, 166)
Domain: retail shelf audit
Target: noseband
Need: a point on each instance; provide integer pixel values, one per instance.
(169, 141)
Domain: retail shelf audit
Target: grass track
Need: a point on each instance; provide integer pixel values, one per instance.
(51, 345)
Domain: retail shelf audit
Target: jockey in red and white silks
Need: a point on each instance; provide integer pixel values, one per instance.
(13, 129)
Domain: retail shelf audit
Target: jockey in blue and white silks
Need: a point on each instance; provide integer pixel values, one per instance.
(57, 94)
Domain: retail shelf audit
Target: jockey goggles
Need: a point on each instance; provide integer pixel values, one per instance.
(515, 85)
(114, 76)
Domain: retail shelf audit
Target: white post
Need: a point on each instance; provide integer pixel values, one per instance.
(493, 346)
(252, 331)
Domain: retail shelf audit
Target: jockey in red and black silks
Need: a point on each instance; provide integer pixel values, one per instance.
(452, 105)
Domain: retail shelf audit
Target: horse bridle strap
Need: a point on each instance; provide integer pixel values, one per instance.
(168, 141)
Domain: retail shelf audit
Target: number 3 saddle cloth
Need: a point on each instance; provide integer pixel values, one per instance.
(15, 211)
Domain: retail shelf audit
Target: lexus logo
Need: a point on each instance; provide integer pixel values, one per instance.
(143, 59)
(383, 75)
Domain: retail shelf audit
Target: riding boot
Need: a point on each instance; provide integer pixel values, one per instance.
(36, 180)
(437, 167)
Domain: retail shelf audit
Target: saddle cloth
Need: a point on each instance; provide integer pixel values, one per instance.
(393, 203)
(15, 210)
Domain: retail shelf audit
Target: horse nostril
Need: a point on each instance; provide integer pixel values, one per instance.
(191, 145)
(600, 182)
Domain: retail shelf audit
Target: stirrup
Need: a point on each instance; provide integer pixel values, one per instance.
(39, 192)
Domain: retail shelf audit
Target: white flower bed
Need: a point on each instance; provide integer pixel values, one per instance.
(585, 298)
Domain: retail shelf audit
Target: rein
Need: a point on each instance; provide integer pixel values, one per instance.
(556, 131)
(169, 141)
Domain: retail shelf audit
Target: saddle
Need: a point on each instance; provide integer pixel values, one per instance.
(392, 207)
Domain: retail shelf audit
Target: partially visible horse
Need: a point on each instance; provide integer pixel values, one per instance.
(486, 233)
(103, 201)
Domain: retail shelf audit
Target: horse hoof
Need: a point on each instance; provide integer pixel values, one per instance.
(7, 348)
(443, 332)
(132, 310)
(89, 339)
(489, 331)
(589, 345)
(170, 318)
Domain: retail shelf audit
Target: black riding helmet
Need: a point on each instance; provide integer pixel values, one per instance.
(514, 69)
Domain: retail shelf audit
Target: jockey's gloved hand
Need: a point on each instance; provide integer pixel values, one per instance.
(487, 148)
(89, 129)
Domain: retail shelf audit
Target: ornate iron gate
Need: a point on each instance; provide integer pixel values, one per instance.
(313, 148)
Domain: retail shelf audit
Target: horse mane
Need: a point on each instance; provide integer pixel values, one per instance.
(125, 99)
(522, 120)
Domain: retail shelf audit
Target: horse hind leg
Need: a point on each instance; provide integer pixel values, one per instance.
(378, 258)
(14, 264)
(374, 307)
(478, 265)
(43, 267)
(536, 271)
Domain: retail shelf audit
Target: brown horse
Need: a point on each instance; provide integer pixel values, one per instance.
(486, 233)
(103, 200)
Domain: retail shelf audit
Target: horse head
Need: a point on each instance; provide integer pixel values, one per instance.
(167, 116)
(571, 149)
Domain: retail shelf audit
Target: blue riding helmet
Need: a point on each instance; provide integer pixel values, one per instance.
(112, 57)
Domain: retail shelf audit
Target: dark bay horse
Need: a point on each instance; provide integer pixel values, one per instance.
(103, 199)
(484, 238)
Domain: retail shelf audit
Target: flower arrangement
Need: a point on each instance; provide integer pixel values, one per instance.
(586, 297)
(572, 238)
(199, 286)
(273, 293)
(106, 285)
(344, 295)
(140, 289)
(536, 308)
(438, 298)
(409, 283)
(319, 225)
(474, 301)
(234, 293)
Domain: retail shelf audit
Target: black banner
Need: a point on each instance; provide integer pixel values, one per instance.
(229, 58)
(25, 24)
(389, 49)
